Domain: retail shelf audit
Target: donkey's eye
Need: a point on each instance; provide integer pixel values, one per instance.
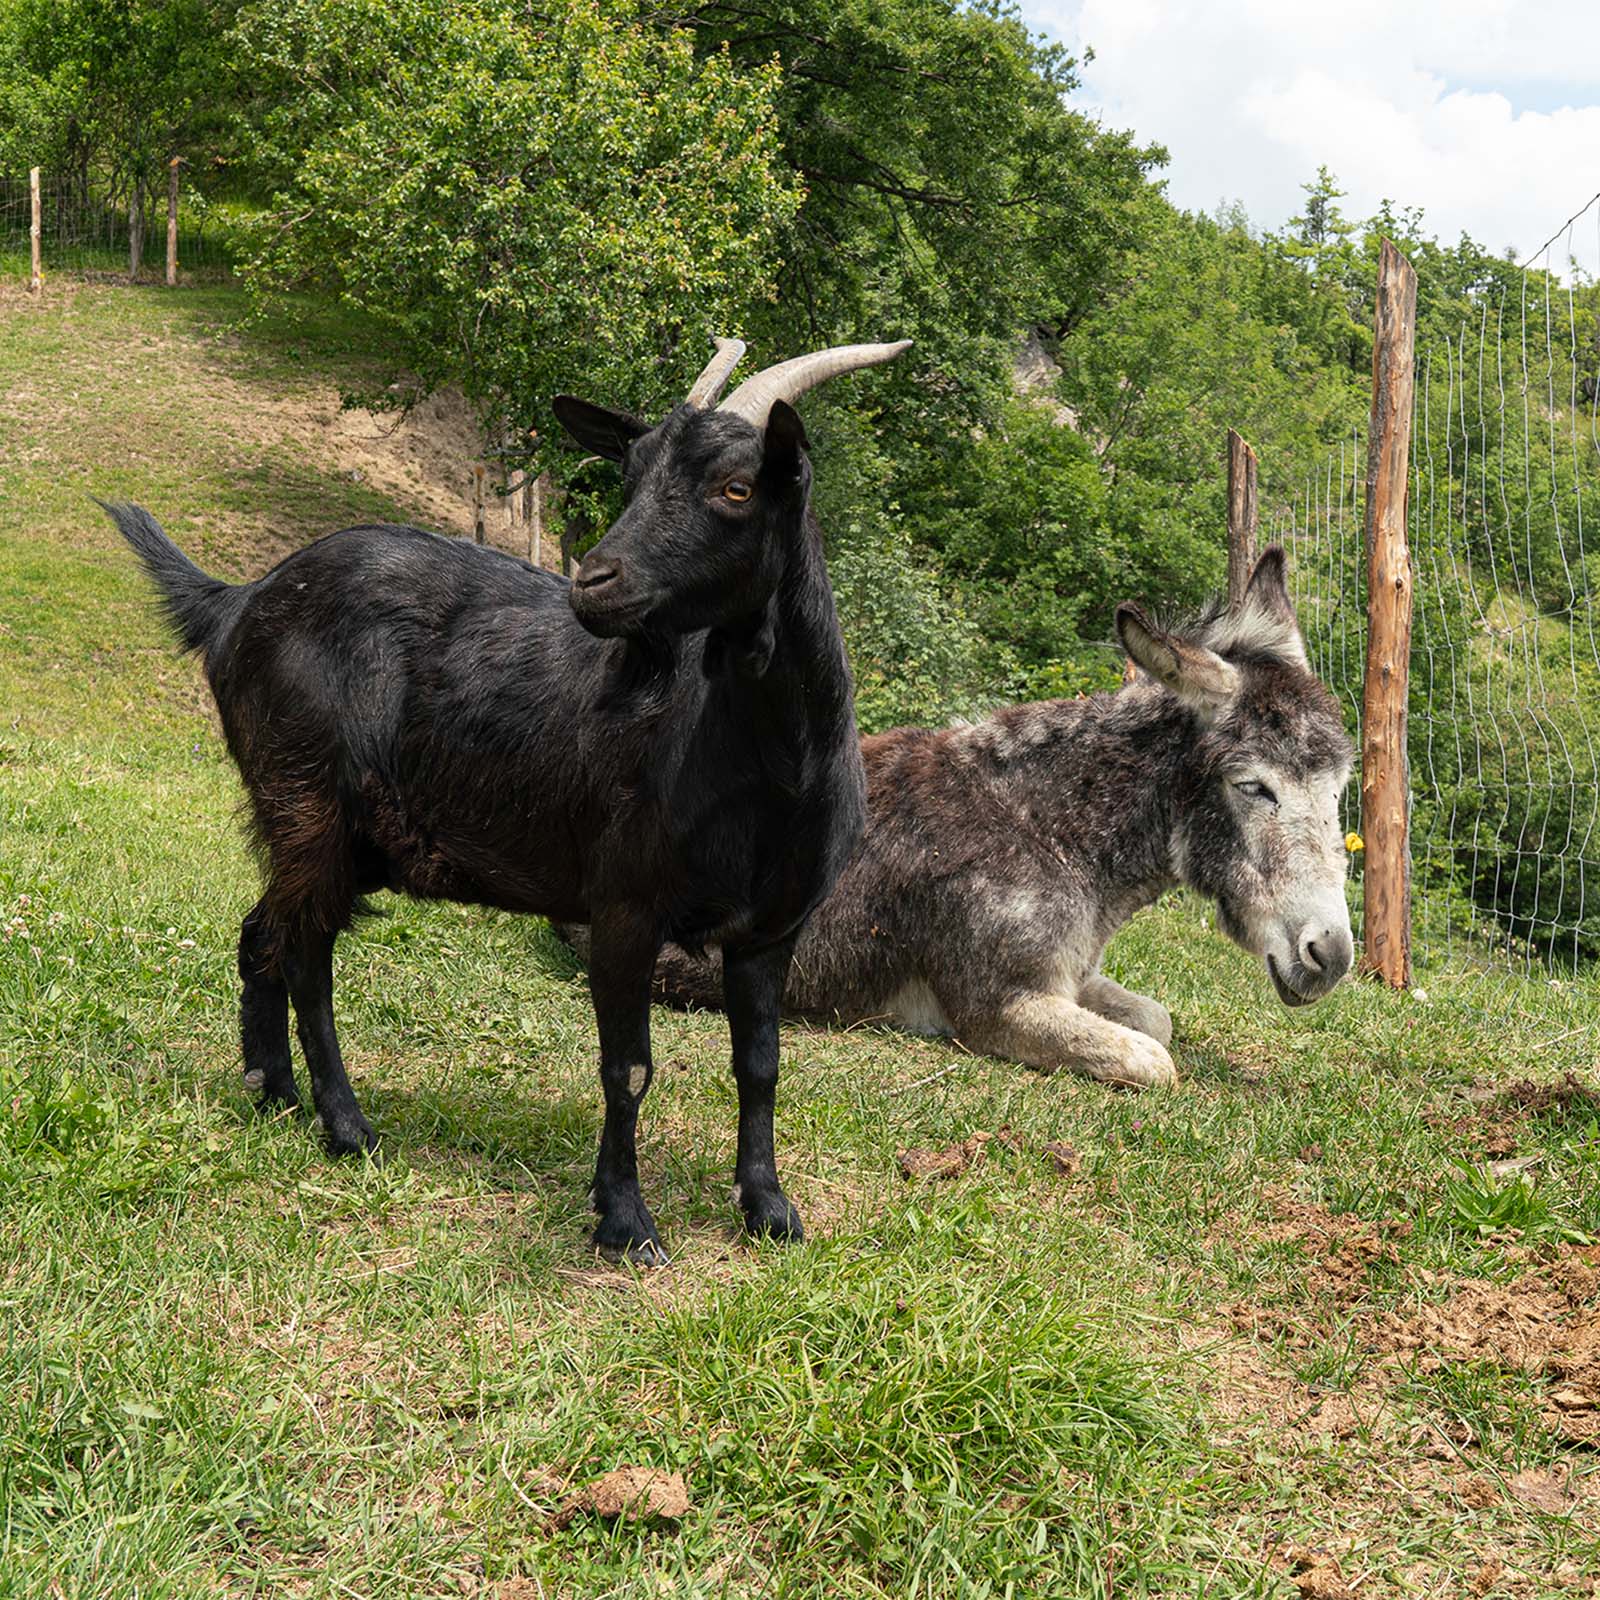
(737, 490)
(1257, 791)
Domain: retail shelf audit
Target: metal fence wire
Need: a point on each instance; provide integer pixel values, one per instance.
(1504, 698)
(84, 227)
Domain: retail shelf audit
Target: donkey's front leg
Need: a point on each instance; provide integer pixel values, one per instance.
(1110, 1000)
(1052, 1033)
(621, 959)
(752, 987)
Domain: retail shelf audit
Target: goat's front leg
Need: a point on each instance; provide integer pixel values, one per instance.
(1110, 1000)
(752, 989)
(621, 960)
(1052, 1033)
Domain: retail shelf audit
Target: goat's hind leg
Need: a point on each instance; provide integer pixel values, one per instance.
(308, 970)
(264, 1016)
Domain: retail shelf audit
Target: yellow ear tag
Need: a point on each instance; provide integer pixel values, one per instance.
(1354, 843)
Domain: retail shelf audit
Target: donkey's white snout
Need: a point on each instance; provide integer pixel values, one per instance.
(1325, 951)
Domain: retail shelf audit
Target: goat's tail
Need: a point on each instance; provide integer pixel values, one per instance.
(681, 980)
(198, 606)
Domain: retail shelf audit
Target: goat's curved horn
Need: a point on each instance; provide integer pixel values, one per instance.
(709, 384)
(755, 397)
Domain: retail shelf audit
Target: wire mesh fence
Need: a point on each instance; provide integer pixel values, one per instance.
(85, 227)
(1504, 695)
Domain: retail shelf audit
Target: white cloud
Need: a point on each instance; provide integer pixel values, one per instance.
(1486, 113)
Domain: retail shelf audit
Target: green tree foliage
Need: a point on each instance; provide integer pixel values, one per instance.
(102, 93)
(951, 194)
(531, 202)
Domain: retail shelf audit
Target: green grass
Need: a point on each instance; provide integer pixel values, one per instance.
(232, 1367)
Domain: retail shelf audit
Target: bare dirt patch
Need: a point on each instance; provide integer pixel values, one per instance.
(949, 1162)
(1341, 1253)
(629, 1494)
(127, 399)
(1493, 1129)
(1545, 1322)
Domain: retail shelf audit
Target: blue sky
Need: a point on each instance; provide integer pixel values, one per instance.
(1484, 112)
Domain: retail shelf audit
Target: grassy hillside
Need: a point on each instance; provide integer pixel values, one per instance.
(1319, 1321)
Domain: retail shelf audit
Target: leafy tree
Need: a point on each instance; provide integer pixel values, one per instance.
(102, 93)
(531, 202)
(951, 193)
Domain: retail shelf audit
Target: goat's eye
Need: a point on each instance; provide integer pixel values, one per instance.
(1257, 791)
(737, 490)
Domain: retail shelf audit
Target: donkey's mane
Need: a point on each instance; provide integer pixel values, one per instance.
(1255, 630)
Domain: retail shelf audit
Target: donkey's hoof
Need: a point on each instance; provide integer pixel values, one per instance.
(1144, 1064)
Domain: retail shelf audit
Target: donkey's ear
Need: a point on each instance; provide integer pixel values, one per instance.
(606, 433)
(1268, 588)
(1199, 677)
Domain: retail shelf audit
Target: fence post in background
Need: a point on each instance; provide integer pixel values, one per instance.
(1241, 517)
(172, 221)
(35, 233)
(136, 228)
(1385, 772)
(480, 533)
(535, 493)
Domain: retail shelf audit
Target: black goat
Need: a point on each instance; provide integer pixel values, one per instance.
(664, 749)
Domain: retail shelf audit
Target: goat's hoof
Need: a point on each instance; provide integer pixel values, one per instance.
(354, 1138)
(627, 1232)
(640, 1253)
(630, 1245)
(768, 1215)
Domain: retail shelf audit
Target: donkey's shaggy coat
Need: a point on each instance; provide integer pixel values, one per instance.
(1001, 856)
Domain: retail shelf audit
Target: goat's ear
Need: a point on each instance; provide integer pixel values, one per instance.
(1199, 677)
(606, 433)
(785, 438)
(1268, 588)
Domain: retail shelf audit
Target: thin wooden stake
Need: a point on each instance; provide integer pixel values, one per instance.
(1241, 517)
(534, 490)
(480, 533)
(36, 233)
(172, 221)
(1385, 775)
(136, 228)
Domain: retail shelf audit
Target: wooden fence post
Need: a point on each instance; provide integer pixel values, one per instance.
(35, 233)
(535, 492)
(172, 221)
(136, 228)
(480, 533)
(1241, 517)
(1385, 772)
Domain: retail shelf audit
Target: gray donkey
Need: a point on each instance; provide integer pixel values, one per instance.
(1000, 856)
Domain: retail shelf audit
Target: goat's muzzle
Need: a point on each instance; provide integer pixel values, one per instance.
(605, 602)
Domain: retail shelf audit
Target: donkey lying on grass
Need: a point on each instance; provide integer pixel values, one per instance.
(1000, 857)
